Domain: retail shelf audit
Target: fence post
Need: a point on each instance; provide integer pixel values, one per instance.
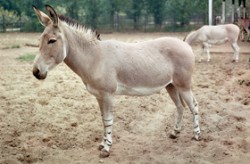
(223, 20)
(232, 12)
(3, 23)
(210, 11)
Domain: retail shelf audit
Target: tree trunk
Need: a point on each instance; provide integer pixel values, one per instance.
(4, 27)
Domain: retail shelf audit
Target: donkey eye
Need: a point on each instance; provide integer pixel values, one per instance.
(51, 41)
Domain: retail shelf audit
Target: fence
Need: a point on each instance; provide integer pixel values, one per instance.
(121, 24)
(11, 26)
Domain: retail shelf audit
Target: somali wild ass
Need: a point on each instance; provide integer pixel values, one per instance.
(212, 35)
(109, 68)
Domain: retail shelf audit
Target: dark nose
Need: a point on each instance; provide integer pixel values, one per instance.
(38, 75)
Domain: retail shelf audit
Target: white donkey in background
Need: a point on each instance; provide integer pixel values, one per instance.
(212, 35)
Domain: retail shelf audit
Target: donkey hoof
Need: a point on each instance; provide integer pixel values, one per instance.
(234, 61)
(104, 153)
(174, 134)
(100, 147)
(196, 137)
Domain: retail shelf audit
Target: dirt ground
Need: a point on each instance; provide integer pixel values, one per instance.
(58, 121)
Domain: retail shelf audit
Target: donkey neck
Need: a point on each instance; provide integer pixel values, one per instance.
(192, 37)
(79, 47)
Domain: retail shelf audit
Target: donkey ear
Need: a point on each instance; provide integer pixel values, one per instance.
(42, 17)
(52, 14)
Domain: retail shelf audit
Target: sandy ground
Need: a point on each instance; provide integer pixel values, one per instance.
(58, 121)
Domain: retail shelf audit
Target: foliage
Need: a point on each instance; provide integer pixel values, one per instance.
(112, 14)
(12, 46)
(11, 6)
(27, 57)
(135, 11)
(156, 8)
(92, 10)
(6, 16)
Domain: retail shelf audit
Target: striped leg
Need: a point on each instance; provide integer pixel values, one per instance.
(193, 106)
(106, 105)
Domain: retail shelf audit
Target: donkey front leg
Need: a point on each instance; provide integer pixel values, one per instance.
(106, 105)
(207, 46)
(236, 49)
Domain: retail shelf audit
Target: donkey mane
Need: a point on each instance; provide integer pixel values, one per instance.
(76, 25)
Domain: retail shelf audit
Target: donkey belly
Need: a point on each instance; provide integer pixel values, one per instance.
(218, 42)
(123, 89)
(144, 81)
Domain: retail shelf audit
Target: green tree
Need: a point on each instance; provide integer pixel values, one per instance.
(113, 9)
(156, 8)
(92, 12)
(31, 23)
(11, 6)
(73, 9)
(111, 13)
(135, 11)
(9, 12)
(182, 11)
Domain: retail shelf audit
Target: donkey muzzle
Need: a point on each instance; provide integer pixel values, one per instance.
(38, 74)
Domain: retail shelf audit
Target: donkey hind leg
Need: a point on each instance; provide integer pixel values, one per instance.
(188, 97)
(207, 46)
(202, 52)
(173, 93)
(106, 106)
(236, 49)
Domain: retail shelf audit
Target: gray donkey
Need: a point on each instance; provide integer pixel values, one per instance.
(109, 68)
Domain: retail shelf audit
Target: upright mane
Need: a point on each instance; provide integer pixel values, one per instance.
(77, 26)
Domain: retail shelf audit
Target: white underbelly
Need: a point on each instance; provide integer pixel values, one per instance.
(138, 91)
(217, 42)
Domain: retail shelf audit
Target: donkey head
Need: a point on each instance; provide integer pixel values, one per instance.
(52, 43)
